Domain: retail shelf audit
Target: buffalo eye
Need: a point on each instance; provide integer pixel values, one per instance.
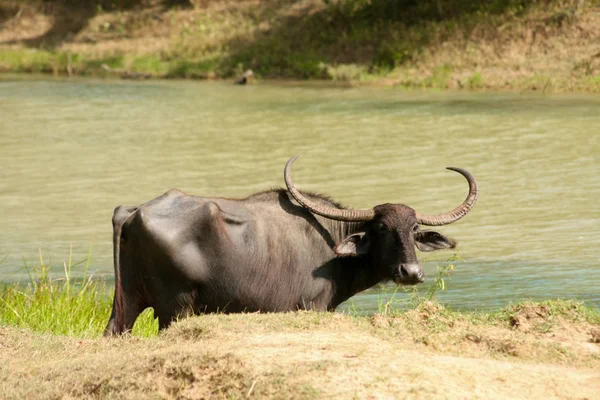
(382, 228)
(415, 228)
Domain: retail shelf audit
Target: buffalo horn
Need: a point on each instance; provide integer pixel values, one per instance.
(458, 212)
(320, 209)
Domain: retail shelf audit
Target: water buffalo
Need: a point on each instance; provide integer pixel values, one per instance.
(278, 250)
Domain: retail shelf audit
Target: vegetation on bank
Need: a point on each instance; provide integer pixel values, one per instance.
(50, 332)
(428, 352)
(65, 306)
(537, 45)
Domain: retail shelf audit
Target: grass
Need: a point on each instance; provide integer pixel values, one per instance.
(302, 355)
(466, 45)
(63, 306)
(50, 331)
(27, 60)
(389, 304)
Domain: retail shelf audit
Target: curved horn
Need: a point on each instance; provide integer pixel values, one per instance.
(320, 209)
(458, 212)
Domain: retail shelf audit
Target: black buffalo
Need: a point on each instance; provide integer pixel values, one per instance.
(278, 250)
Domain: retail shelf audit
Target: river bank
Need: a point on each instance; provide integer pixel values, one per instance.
(50, 335)
(535, 350)
(544, 46)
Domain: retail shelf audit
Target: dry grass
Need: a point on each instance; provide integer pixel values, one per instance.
(425, 353)
(545, 50)
(545, 46)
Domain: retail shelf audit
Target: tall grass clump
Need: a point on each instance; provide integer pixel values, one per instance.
(397, 301)
(63, 306)
(439, 283)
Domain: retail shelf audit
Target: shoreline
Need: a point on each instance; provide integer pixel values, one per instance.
(534, 351)
(549, 48)
(312, 83)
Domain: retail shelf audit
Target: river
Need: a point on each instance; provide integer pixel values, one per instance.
(73, 149)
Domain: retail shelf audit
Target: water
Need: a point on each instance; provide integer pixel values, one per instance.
(72, 150)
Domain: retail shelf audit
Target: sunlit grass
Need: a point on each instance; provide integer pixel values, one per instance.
(63, 306)
(404, 298)
(398, 45)
(81, 307)
(28, 60)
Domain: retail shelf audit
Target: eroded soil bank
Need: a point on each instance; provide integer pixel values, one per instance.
(531, 351)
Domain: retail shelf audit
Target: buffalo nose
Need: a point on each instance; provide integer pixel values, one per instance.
(411, 273)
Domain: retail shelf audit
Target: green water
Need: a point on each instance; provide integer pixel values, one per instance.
(72, 150)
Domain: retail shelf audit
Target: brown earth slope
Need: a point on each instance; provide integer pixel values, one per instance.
(542, 45)
(425, 354)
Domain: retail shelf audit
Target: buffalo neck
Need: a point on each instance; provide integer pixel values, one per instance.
(351, 275)
(339, 230)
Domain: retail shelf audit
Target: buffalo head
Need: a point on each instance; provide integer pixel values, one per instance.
(389, 233)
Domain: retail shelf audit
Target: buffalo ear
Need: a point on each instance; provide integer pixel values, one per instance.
(353, 245)
(430, 241)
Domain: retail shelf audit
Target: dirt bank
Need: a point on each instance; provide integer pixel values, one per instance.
(544, 45)
(530, 352)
